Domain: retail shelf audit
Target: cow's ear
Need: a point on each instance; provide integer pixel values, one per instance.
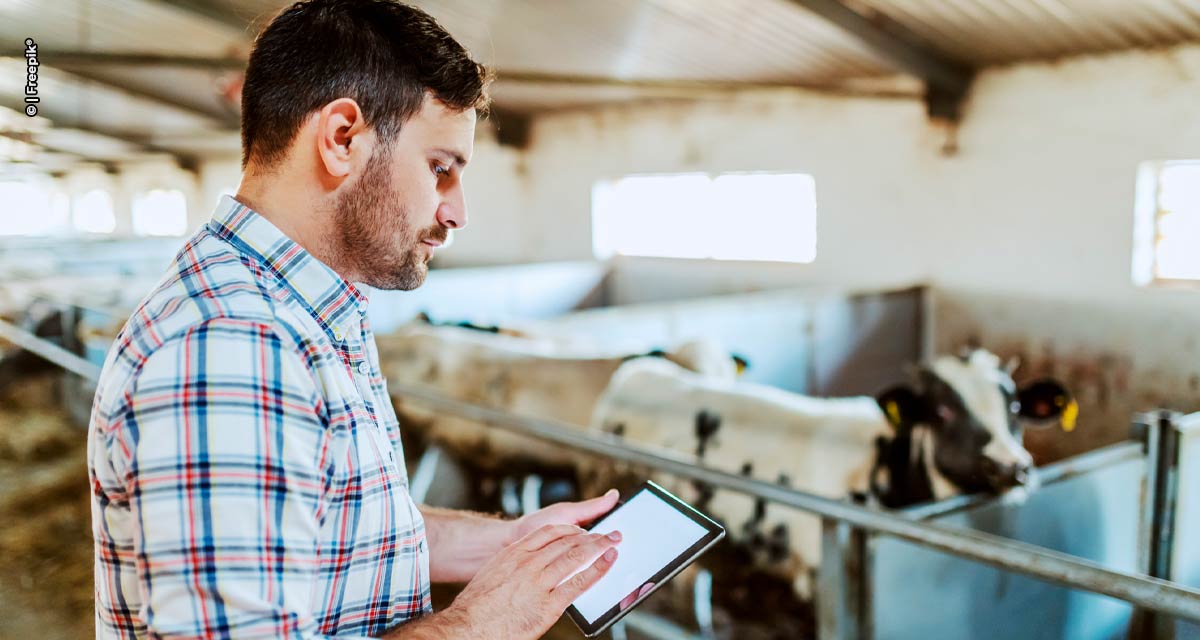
(1047, 400)
(902, 406)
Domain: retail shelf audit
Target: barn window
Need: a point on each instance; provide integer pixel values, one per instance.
(32, 208)
(93, 212)
(160, 212)
(1167, 227)
(732, 216)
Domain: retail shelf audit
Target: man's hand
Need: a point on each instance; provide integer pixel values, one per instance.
(461, 542)
(575, 513)
(517, 594)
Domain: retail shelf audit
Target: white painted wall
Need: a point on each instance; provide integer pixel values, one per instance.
(216, 177)
(497, 183)
(1047, 162)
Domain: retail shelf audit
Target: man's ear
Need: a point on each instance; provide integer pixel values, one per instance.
(903, 407)
(341, 136)
(1048, 399)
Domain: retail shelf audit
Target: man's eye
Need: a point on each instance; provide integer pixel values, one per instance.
(439, 170)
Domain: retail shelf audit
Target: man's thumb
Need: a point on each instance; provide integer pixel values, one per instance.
(591, 509)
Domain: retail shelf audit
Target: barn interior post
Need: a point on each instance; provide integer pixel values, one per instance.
(1158, 516)
(841, 594)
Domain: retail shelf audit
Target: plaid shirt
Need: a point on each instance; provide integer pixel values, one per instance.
(245, 461)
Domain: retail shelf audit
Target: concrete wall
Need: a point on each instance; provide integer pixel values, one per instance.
(1047, 161)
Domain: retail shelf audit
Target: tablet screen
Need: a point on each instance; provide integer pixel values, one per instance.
(659, 533)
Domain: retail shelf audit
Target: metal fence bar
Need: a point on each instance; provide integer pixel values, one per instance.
(1058, 568)
(1158, 519)
(1039, 562)
(1055, 472)
(50, 351)
(840, 596)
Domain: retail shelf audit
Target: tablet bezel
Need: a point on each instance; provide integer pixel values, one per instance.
(713, 533)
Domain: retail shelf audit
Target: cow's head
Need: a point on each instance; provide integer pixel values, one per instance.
(963, 417)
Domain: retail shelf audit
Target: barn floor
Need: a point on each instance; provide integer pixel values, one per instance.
(45, 540)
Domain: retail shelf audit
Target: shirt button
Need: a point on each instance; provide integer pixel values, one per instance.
(364, 368)
(337, 335)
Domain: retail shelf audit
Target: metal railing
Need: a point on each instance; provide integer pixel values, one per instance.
(1050, 474)
(50, 351)
(1052, 566)
(1032, 560)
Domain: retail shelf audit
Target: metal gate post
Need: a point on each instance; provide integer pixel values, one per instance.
(1158, 517)
(843, 598)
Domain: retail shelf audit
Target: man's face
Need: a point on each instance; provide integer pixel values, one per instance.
(406, 200)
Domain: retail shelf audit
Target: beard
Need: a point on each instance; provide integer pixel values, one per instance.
(373, 234)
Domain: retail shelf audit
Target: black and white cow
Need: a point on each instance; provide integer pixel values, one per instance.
(522, 375)
(955, 429)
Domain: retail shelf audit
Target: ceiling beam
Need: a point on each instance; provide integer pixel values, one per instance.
(675, 85)
(84, 59)
(946, 79)
(227, 120)
(31, 138)
(211, 12)
(139, 142)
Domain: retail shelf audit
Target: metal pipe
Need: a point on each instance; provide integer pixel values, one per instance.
(1039, 562)
(1050, 474)
(50, 351)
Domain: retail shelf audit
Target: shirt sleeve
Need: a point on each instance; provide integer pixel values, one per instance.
(226, 450)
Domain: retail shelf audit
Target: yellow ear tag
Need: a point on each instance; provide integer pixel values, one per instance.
(741, 367)
(893, 412)
(1069, 416)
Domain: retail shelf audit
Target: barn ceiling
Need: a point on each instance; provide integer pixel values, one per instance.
(127, 78)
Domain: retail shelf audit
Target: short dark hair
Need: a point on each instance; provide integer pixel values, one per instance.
(385, 55)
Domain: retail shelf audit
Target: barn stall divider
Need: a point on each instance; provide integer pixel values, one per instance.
(850, 580)
(811, 341)
(1176, 528)
(1097, 506)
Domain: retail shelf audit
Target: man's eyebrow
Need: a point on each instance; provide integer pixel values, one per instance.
(458, 158)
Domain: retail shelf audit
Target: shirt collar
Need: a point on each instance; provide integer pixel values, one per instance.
(331, 299)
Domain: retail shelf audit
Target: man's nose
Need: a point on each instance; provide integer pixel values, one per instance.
(452, 212)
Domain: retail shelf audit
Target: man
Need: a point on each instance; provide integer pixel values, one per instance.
(245, 462)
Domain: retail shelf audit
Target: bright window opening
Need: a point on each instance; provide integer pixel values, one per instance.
(31, 208)
(733, 216)
(93, 212)
(1167, 229)
(160, 212)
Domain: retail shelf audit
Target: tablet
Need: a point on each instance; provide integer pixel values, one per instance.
(660, 535)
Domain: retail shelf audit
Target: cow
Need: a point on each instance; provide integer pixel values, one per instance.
(522, 375)
(424, 317)
(955, 429)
